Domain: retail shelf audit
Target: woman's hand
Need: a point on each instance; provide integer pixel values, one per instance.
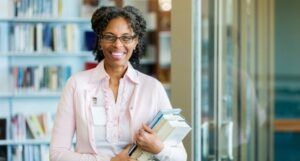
(147, 139)
(123, 156)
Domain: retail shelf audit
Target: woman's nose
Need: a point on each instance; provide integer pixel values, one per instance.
(118, 43)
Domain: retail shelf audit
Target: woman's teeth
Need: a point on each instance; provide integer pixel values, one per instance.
(117, 55)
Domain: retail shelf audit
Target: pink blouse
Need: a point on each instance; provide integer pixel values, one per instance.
(102, 126)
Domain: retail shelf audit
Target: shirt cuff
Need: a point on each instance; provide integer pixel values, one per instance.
(163, 153)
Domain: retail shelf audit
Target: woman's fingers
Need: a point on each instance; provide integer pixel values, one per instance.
(147, 139)
(147, 129)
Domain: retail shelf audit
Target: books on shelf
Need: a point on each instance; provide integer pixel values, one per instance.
(35, 126)
(45, 37)
(35, 129)
(37, 78)
(169, 126)
(30, 153)
(48, 31)
(38, 127)
(18, 123)
(38, 8)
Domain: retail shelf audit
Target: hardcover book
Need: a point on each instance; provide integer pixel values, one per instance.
(169, 126)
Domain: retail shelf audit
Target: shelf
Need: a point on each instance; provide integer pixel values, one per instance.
(48, 54)
(5, 95)
(287, 125)
(30, 95)
(45, 20)
(146, 61)
(287, 97)
(28, 141)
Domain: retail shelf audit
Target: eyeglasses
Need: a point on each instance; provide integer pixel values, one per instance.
(125, 39)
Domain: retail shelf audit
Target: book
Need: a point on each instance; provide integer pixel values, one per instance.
(90, 40)
(3, 149)
(35, 127)
(173, 132)
(154, 121)
(169, 126)
(46, 122)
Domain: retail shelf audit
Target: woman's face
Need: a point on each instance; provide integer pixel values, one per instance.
(118, 42)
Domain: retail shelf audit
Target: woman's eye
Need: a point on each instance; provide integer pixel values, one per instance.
(109, 37)
(126, 38)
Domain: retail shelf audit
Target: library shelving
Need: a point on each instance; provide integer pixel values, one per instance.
(43, 42)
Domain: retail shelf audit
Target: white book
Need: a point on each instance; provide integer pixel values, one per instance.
(171, 129)
(55, 8)
(6, 8)
(39, 37)
(44, 151)
(17, 156)
(57, 38)
(181, 129)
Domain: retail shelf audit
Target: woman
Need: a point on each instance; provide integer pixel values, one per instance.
(108, 106)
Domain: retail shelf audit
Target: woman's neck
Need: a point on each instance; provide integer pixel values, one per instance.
(115, 73)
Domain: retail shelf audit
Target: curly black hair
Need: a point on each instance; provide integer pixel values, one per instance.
(103, 15)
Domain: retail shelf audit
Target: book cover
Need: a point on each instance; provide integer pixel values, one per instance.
(154, 121)
(35, 127)
(170, 127)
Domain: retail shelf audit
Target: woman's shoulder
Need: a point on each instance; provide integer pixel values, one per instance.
(81, 77)
(147, 79)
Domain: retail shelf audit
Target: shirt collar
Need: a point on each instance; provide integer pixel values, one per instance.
(99, 73)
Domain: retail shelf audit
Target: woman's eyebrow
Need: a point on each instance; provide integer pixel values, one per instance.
(114, 34)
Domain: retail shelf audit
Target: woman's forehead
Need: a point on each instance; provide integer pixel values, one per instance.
(119, 24)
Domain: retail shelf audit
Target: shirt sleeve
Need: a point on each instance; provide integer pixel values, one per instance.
(64, 129)
(169, 153)
(172, 153)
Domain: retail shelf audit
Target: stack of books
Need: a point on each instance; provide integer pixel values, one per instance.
(169, 126)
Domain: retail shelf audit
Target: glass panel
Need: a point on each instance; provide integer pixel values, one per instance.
(228, 81)
(207, 82)
(236, 84)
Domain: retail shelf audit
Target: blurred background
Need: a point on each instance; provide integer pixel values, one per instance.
(231, 65)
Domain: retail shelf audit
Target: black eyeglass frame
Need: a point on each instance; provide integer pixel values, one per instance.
(114, 38)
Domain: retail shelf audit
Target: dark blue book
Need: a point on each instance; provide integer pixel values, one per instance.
(90, 40)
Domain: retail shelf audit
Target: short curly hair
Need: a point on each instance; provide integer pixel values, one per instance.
(103, 15)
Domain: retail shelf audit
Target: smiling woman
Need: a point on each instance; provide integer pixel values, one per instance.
(117, 51)
(107, 106)
(131, 24)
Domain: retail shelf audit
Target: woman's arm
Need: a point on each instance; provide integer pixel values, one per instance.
(64, 129)
(168, 153)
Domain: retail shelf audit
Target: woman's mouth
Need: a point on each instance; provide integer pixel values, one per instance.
(117, 55)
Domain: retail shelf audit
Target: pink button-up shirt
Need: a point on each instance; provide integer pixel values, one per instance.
(140, 97)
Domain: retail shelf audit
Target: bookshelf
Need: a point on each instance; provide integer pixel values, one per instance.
(41, 38)
(42, 44)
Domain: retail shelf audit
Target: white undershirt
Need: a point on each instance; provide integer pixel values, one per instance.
(121, 123)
